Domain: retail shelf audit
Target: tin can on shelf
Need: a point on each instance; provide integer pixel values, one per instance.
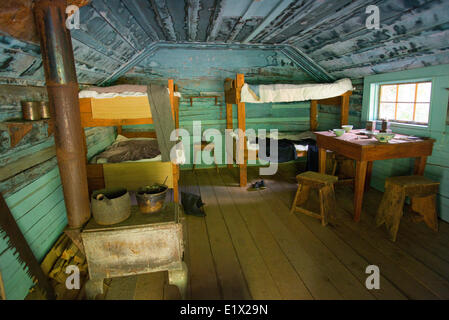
(44, 110)
(30, 110)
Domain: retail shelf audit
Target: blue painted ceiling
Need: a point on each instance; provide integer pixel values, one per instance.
(324, 39)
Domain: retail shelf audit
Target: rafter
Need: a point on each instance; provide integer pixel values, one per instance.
(164, 18)
(275, 12)
(192, 18)
(215, 22)
(239, 25)
(289, 18)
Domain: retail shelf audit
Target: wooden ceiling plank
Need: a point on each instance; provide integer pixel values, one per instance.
(164, 18)
(275, 12)
(192, 18)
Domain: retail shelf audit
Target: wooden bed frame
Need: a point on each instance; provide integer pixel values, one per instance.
(233, 96)
(134, 173)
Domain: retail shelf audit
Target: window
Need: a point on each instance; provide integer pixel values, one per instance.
(405, 102)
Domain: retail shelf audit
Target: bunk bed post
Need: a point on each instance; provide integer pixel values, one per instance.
(313, 115)
(239, 81)
(62, 87)
(229, 124)
(345, 108)
(176, 101)
(171, 88)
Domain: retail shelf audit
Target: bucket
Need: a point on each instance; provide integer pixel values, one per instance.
(151, 199)
(111, 206)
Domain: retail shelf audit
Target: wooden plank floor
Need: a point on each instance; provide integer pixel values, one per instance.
(249, 246)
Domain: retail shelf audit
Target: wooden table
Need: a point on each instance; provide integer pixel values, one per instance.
(143, 243)
(364, 151)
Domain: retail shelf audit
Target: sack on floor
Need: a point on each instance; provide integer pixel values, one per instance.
(192, 204)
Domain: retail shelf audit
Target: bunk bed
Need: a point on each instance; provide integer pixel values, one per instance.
(124, 108)
(335, 94)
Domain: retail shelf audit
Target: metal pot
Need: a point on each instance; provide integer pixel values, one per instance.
(151, 199)
(30, 110)
(111, 206)
(44, 110)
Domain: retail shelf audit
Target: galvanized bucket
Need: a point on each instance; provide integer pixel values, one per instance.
(151, 199)
(111, 206)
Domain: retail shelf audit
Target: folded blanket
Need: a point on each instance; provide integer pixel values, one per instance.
(130, 150)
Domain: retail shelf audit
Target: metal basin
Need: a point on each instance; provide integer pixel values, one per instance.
(111, 206)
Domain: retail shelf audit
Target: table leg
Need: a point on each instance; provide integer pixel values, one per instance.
(179, 278)
(360, 178)
(420, 165)
(369, 172)
(322, 160)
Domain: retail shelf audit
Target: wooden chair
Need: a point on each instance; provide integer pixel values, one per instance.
(325, 185)
(422, 192)
(204, 146)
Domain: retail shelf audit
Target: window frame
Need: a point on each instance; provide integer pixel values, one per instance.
(438, 74)
(397, 102)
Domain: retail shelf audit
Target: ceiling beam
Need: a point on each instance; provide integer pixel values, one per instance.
(137, 9)
(307, 64)
(239, 25)
(192, 18)
(216, 20)
(281, 6)
(164, 18)
(292, 16)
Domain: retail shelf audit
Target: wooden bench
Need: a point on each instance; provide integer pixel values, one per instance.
(422, 192)
(325, 185)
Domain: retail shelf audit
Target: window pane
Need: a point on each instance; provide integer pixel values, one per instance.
(386, 111)
(405, 111)
(424, 90)
(422, 112)
(406, 92)
(388, 93)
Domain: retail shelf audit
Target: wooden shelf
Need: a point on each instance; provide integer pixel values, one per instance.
(19, 128)
(202, 97)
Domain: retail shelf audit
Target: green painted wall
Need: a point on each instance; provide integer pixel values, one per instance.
(34, 196)
(203, 71)
(437, 167)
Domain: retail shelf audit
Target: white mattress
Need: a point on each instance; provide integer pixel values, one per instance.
(291, 92)
(125, 90)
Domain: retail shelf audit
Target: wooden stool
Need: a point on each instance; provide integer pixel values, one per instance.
(325, 185)
(422, 192)
(204, 146)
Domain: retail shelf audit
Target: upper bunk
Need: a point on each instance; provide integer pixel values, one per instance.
(336, 94)
(122, 105)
